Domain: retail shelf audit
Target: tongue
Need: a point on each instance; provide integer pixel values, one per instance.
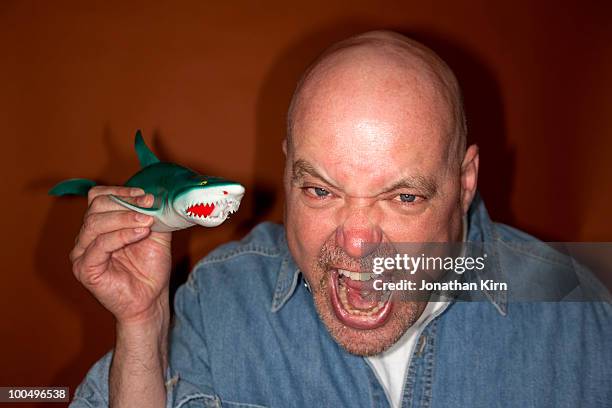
(346, 301)
(360, 299)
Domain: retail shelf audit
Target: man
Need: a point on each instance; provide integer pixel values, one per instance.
(375, 155)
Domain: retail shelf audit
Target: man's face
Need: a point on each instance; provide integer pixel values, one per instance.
(366, 167)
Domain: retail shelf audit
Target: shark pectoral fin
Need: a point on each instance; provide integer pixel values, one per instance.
(153, 211)
(75, 186)
(145, 155)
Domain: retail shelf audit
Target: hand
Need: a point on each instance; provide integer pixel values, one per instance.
(120, 260)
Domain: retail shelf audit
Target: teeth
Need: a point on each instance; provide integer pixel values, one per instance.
(356, 276)
(342, 294)
(223, 208)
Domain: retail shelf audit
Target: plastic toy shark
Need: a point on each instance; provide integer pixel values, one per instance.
(183, 198)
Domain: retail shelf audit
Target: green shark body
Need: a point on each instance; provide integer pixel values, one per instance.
(182, 197)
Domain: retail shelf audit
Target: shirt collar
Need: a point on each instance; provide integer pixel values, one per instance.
(482, 234)
(287, 276)
(480, 230)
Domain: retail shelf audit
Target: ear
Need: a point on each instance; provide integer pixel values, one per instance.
(469, 177)
(285, 146)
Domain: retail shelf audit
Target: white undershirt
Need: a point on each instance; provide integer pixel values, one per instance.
(390, 366)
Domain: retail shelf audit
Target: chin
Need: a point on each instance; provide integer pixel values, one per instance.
(364, 331)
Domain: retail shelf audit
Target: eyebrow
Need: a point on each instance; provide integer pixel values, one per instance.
(421, 183)
(301, 168)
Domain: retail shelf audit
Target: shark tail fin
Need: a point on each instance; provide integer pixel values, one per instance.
(145, 155)
(75, 186)
(142, 210)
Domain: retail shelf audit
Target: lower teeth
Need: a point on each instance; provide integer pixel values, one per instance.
(342, 294)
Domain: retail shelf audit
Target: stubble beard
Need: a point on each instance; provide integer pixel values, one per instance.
(357, 341)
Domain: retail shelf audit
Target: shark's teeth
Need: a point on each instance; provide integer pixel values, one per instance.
(222, 208)
(201, 210)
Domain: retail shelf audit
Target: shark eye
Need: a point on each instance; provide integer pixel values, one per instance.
(204, 182)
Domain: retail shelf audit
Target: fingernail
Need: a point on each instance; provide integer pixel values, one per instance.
(143, 200)
(136, 192)
(141, 217)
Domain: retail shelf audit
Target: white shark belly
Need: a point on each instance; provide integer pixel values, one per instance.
(170, 220)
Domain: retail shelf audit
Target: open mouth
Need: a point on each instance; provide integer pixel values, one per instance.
(355, 302)
(219, 209)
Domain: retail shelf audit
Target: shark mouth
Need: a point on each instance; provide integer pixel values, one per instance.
(200, 210)
(219, 209)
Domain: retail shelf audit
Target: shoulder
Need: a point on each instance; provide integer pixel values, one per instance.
(551, 269)
(523, 244)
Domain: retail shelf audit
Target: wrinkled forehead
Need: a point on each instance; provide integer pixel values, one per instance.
(365, 158)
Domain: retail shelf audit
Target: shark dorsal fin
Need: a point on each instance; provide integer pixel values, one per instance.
(145, 155)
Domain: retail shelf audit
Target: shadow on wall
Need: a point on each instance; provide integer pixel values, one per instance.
(483, 105)
(485, 121)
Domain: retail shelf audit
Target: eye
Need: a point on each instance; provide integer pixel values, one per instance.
(316, 192)
(407, 199)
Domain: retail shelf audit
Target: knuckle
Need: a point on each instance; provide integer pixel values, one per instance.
(76, 270)
(97, 242)
(128, 218)
(90, 222)
(72, 256)
(98, 203)
(125, 235)
(93, 193)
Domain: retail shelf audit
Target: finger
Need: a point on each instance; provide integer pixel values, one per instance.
(145, 201)
(103, 203)
(96, 224)
(101, 249)
(96, 191)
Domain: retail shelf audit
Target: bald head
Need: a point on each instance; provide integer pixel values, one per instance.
(382, 72)
(375, 154)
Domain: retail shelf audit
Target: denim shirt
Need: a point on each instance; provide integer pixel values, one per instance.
(246, 334)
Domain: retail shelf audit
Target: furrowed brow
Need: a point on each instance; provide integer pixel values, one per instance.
(420, 183)
(424, 185)
(302, 168)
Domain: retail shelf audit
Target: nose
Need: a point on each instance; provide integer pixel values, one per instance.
(358, 235)
(234, 189)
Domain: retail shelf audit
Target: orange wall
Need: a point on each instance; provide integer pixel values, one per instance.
(209, 85)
